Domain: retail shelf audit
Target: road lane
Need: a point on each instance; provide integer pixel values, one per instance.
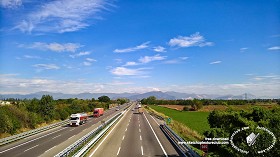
(110, 147)
(46, 142)
(133, 136)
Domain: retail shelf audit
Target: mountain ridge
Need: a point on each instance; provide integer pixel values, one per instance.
(170, 95)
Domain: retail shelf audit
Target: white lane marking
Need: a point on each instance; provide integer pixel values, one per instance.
(140, 138)
(31, 140)
(156, 137)
(154, 120)
(31, 148)
(118, 151)
(56, 136)
(72, 129)
(139, 125)
(139, 130)
(107, 136)
(123, 137)
(50, 149)
(142, 150)
(126, 129)
(71, 137)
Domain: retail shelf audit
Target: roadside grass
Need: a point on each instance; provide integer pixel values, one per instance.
(195, 120)
(181, 129)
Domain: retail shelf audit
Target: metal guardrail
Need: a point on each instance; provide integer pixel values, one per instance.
(96, 134)
(182, 147)
(10, 139)
(157, 116)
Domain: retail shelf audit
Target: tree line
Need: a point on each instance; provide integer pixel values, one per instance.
(196, 104)
(28, 113)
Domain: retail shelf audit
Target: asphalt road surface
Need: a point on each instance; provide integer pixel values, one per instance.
(135, 135)
(51, 142)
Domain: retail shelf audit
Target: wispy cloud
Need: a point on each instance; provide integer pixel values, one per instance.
(80, 54)
(122, 71)
(46, 66)
(216, 62)
(87, 63)
(91, 59)
(243, 49)
(274, 48)
(11, 4)
(131, 64)
(131, 49)
(63, 15)
(31, 57)
(147, 59)
(159, 49)
(176, 61)
(190, 41)
(57, 47)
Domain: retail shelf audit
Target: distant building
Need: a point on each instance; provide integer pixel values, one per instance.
(5, 102)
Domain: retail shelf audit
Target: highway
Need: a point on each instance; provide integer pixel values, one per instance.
(135, 135)
(51, 142)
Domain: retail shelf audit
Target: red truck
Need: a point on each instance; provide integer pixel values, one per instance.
(78, 119)
(98, 112)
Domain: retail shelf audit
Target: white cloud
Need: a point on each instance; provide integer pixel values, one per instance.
(46, 66)
(173, 61)
(11, 3)
(31, 57)
(13, 84)
(122, 71)
(243, 49)
(87, 63)
(80, 54)
(131, 64)
(67, 47)
(147, 59)
(176, 61)
(216, 62)
(274, 48)
(63, 15)
(91, 59)
(159, 49)
(131, 49)
(184, 58)
(189, 41)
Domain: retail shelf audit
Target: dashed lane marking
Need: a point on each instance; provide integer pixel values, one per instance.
(31, 140)
(50, 149)
(31, 148)
(118, 151)
(56, 136)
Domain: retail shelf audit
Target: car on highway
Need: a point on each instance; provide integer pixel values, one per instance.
(117, 109)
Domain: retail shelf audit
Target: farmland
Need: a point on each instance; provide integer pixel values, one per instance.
(194, 120)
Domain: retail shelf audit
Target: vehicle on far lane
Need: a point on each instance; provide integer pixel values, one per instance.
(78, 119)
(97, 112)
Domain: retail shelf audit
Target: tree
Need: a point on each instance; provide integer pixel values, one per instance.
(104, 99)
(46, 106)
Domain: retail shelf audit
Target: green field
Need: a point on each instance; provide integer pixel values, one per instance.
(194, 120)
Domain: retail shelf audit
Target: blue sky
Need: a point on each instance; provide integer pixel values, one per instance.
(203, 47)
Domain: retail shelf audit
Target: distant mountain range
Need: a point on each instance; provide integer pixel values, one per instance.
(132, 96)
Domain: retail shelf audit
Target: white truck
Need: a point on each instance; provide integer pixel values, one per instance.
(78, 119)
